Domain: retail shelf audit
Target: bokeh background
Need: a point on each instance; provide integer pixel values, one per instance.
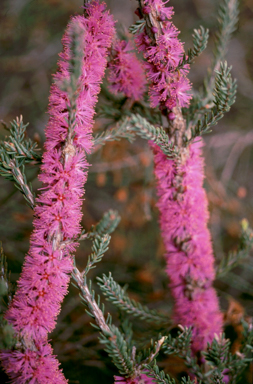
(121, 174)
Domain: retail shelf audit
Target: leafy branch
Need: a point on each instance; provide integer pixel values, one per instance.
(6, 331)
(156, 134)
(227, 17)
(117, 295)
(100, 235)
(219, 357)
(121, 131)
(200, 39)
(217, 352)
(111, 337)
(117, 349)
(107, 224)
(14, 153)
(235, 257)
(113, 340)
(136, 124)
(137, 27)
(181, 347)
(224, 97)
(99, 247)
(17, 145)
(158, 376)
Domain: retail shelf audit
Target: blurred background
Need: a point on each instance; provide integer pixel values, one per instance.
(121, 173)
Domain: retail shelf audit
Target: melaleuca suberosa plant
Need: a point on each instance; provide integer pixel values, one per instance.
(151, 70)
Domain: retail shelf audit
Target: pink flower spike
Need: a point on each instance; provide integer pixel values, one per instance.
(46, 272)
(182, 204)
(169, 86)
(126, 72)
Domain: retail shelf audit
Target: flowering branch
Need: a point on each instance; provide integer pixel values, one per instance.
(45, 276)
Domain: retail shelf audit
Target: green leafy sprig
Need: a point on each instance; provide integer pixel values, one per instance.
(7, 339)
(222, 361)
(15, 151)
(156, 134)
(120, 131)
(200, 39)
(137, 27)
(136, 124)
(235, 257)
(227, 18)
(224, 97)
(111, 337)
(181, 347)
(113, 340)
(118, 296)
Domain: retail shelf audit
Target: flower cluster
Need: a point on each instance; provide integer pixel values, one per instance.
(126, 72)
(46, 272)
(169, 86)
(33, 365)
(190, 263)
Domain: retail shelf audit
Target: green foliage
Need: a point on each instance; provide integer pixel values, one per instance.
(14, 153)
(126, 328)
(117, 295)
(147, 355)
(113, 340)
(137, 27)
(158, 376)
(181, 347)
(136, 124)
(5, 285)
(99, 247)
(17, 146)
(107, 224)
(224, 97)
(6, 331)
(187, 381)
(121, 131)
(235, 257)
(156, 134)
(200, 39)
(117, 348)
(99, 234)
(217, 352)
(227, 19)
(220, 359)
(225, 89)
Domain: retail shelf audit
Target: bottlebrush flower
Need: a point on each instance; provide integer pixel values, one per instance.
(36, 365)
(190, 263)
(126, 72)
(169, 86)
(46, 272)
